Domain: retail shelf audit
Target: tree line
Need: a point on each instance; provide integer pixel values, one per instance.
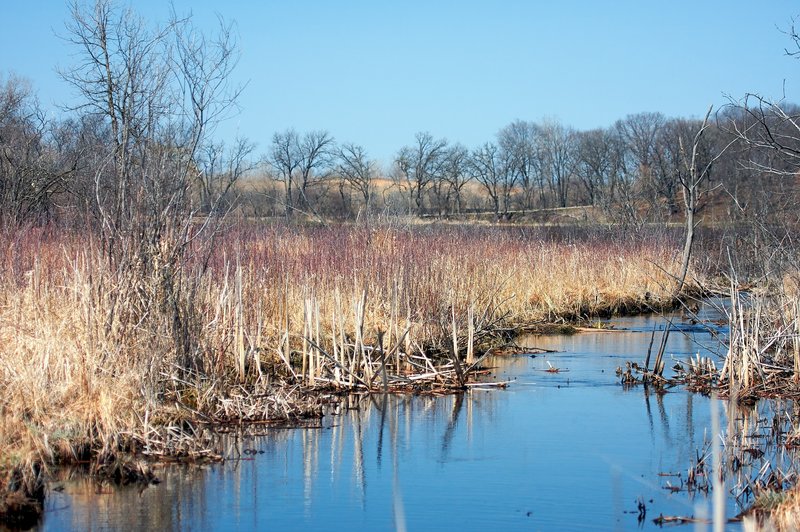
(631, 170)
(141, 139)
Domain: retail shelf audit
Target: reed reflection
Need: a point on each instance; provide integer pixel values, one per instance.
(573, 441)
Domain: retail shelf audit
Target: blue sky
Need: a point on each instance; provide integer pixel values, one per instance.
(375, 73)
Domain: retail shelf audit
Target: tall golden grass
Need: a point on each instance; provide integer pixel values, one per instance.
(278, 310)
(763, 357)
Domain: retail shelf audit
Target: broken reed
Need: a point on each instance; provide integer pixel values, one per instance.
(763, 343)
(317, 298)
(277, 310)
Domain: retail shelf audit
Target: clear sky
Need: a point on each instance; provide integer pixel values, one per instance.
(375, 72)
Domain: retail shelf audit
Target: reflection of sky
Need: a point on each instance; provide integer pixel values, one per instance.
(567, 449)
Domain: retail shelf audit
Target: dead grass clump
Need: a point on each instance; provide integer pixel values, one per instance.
(763, 357)
(777, 511)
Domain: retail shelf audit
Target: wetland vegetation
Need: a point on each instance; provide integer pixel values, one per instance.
(159, 287)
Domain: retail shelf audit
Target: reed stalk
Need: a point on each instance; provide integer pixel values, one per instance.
(93, 359)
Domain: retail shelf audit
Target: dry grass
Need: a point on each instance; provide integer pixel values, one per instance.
(534, 277)
(278, 311)
(786, 516)
(775, 512)
(763, 357)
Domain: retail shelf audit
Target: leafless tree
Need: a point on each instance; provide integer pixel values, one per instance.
(492, 169)
(558, 152)
(32, 171)
(317, 149)
(697, 164)
(440, 194)
(595, 163)
(285, 157)
(622, 197)
(418, 165)
(298, 161)
(522, 142)
(758, 173)
(770, 126)
(640, 135)
(123, 75)
(357, 171)
(456, 173)
(160, 91)
(663, 186)
(221, 167)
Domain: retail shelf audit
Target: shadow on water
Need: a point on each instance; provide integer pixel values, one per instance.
(570, 449)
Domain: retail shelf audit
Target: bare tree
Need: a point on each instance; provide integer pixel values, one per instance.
(665, 173)
(698, 163)
(491, 168)
(298, 161)
(285, 157)
(419, 165)
(440, 193)
(769, 126)
(640, 134)
(160, 90)
(317, 149)
(123, 76)
(595, 163)
(522, 143)
(220, 168)
(357, 171)
(558, 153)
(32, 171)
(456, 173)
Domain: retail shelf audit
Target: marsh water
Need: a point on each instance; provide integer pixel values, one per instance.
(572, 449)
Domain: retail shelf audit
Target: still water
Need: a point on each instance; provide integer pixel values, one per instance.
(568, 450)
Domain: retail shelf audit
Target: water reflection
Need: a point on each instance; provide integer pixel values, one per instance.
(571, 449)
